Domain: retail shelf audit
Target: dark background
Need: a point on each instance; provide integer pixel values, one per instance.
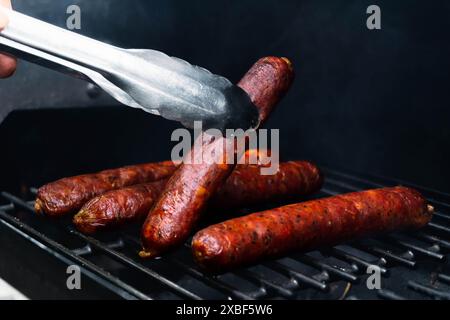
(367, 101)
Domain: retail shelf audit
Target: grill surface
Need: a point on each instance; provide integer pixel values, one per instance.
(413, 265)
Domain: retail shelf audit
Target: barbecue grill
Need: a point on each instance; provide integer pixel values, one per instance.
(412, 265)
(74, 128)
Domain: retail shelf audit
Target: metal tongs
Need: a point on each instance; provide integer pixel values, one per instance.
(139, 78)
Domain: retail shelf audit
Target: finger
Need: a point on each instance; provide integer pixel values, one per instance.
(7, 65)
(3, 18)
(5, 3)
(3, 21)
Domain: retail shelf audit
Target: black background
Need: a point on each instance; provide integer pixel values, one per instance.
(368, 101)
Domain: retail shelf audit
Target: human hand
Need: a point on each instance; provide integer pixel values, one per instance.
(7, 63)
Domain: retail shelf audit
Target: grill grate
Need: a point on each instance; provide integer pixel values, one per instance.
(412, 265)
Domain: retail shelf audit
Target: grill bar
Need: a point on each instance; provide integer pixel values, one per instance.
(358, 261)
(435, 293)
(434, 240)
(418, 249)
(297, 276)
(17, 201)
(265, 284)
(339, 272)
(444, 277)
(439, 227)
(389, 295)
(441, 215)
(386, 254)
(432, 195)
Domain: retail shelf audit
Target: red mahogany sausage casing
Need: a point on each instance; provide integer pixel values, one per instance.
(308, 225)
(245, 187)
(187, 192)
(68, 195)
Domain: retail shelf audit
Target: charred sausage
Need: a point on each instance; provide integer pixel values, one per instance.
(245, 187)
(117, 207)
(187, 192)
(308, 225)
(68, 195)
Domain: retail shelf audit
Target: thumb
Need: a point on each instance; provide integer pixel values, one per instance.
(5, 3)
(3, 18)
(3, 21)
(7, 63)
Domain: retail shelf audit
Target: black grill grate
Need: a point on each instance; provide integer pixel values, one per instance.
(412, 265)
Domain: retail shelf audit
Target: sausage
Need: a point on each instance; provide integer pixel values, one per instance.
(308, 225)
(117, 207)
(245, 187)
(68, 195)
(187, 192)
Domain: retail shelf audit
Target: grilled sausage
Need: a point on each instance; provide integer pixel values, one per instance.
(245, 187)
(187, 192)
(308, 225)
(117, 207)
(68, 195)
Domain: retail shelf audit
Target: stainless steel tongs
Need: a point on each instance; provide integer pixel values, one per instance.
(146, 79)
